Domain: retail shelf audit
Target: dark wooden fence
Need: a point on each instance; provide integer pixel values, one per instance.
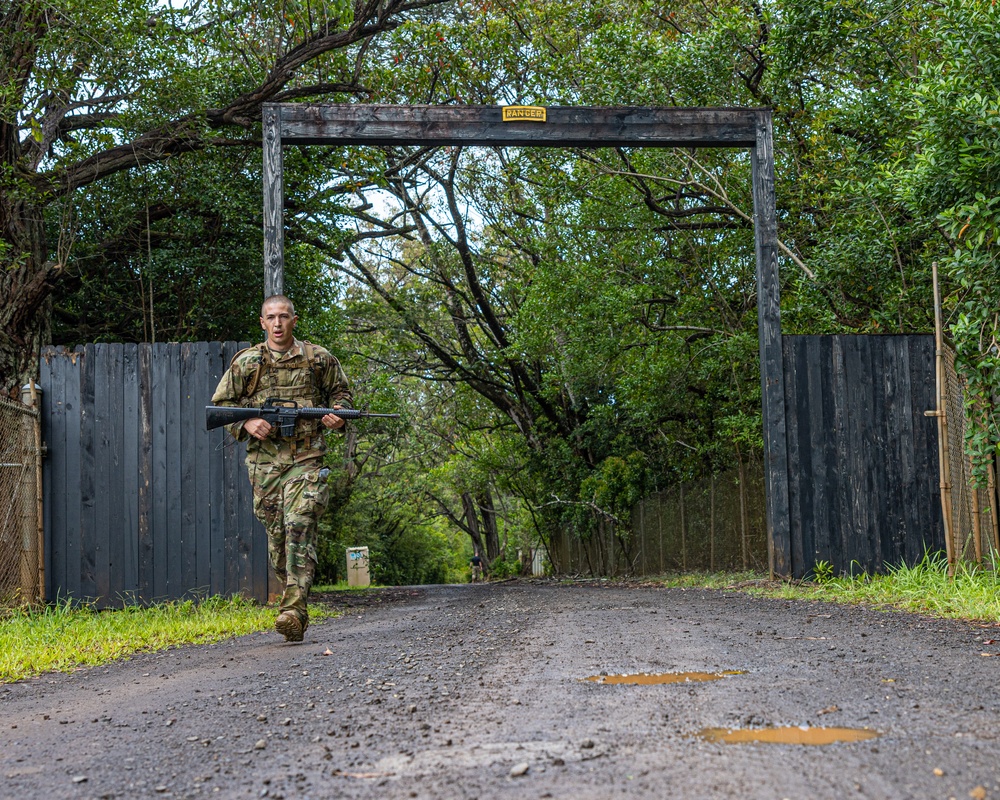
(141, 502)
(863, 480)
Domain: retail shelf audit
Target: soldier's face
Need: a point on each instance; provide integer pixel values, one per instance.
(279, 322)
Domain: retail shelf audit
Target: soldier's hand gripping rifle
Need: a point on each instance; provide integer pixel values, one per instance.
(279, 414)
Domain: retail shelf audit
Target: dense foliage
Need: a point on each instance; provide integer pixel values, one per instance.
(564, 331)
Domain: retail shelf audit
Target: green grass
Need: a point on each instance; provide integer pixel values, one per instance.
(973, 594)
(63, 638)
(341, 586)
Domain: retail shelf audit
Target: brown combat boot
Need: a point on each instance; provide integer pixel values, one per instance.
(290, 626)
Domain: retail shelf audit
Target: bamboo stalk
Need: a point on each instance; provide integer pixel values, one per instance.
(991, 484)
(942, 420)
(977, 522)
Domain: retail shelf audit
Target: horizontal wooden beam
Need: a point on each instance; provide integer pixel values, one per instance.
(565, 126)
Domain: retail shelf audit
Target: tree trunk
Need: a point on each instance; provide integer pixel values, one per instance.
(472, 526)
(26, 282)
(489, 514)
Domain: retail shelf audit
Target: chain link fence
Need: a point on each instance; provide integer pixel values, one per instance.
(21, 570)
(712, 524)
(970, 509)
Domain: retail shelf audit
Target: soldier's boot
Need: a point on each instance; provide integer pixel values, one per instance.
(290, 626)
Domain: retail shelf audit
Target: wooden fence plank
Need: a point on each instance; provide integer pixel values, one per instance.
(186, 466)
(906, 449)
(128, 571)
(798, 432)
(879, 470)
(829, 516)
(860, 450)
(197, 375)
(246, 558)
(214, 441)
(200, 387)
(103, 468)
(928, 502)
(892, 527)
(815, 358)
(144, 510)
(110, 500)
(74, 459)
(813, 461)
(838, 384)
(159, 485)
(234, 475)
(53, 383)
(174, 533)
(88, 448)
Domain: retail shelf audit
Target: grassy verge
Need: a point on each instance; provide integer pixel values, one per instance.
(62, 638)
(342, 586)
(973, 593)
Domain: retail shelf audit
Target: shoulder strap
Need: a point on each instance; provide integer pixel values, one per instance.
(313, 361)
(251, 387)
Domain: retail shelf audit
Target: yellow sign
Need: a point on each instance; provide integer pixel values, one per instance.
(523, 114)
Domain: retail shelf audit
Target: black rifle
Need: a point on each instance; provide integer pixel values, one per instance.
(280, 414)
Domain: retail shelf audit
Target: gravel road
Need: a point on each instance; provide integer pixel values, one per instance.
(477, 691)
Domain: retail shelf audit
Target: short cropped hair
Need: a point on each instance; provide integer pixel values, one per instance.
(277, 298)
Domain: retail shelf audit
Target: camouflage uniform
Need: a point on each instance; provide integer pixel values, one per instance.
(289, 482)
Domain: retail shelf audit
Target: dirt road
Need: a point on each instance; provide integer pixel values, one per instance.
(477, 692)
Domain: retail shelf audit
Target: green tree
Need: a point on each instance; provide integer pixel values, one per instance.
(604, 302)
(948, 178)
(90, 90)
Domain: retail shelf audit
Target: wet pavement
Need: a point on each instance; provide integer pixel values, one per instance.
(485, 691)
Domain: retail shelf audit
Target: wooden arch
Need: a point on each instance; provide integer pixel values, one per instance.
(570, 126)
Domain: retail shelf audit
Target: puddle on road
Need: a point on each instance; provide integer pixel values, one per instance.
(789, 735)
(657, 678)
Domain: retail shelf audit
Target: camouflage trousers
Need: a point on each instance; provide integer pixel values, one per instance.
(289, 499)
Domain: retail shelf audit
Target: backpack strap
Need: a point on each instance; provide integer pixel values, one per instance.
(251, 387)
(314, 366)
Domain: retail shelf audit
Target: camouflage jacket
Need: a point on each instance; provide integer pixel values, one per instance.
(307, 374)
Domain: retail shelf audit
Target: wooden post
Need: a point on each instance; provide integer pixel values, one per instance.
(642, 538)
(994, 527)
(744, 524)
(659, 526)
(39, 503)
(23, 507)
(711, 526)
(772, 378)
(274, 232)
(977, 523)
(684, 558)
(944, 465)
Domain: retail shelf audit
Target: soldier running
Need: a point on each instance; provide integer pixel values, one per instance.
(289, 480)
